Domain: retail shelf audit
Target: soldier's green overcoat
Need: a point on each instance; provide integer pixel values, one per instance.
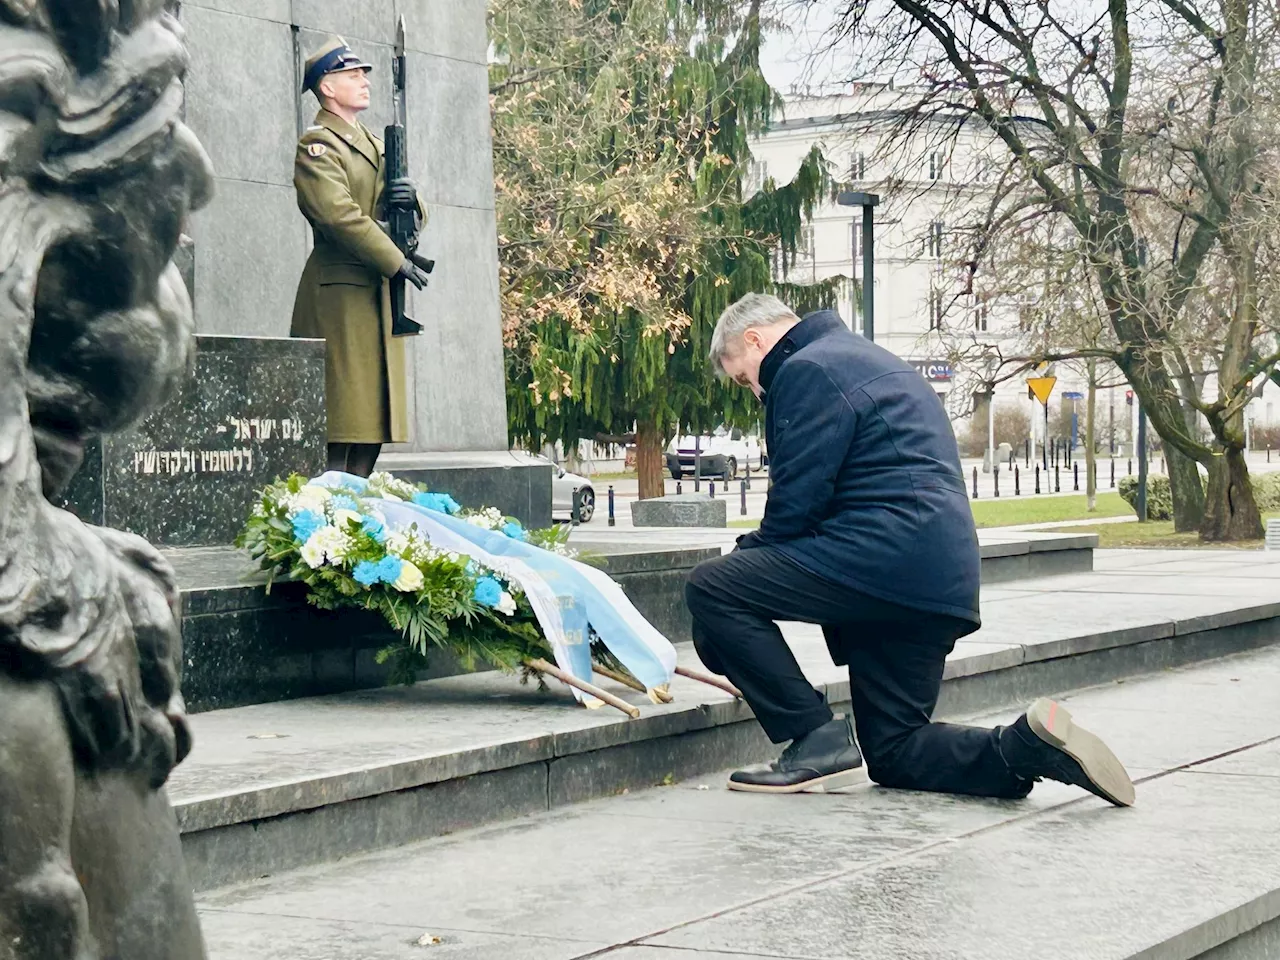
(343, 294)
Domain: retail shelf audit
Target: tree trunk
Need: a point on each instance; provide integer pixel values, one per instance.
(1230, 511)
(649, 460)
(1186, 489)
(1090, 456)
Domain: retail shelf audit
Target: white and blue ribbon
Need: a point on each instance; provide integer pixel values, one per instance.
(571, 600)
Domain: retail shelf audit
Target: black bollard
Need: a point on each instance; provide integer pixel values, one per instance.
(575, 513)
(613, 522)
(1037, 478)
(1129, 470)
(1028, 451)
(1017, 482)
(744, 498)
(679, 488)
(975, 483)
(711, 489)
(1057, 479)
(1113, 474)
(995, 476)
(1075, 470)
(748, 480)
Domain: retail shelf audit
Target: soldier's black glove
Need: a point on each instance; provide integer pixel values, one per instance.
(413, 273)
(402, 195)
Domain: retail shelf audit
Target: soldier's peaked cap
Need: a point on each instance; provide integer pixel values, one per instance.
(334, 56)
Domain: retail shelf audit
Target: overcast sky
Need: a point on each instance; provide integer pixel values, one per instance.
(797, 56)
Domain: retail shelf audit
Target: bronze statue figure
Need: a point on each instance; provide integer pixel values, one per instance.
(97, 177)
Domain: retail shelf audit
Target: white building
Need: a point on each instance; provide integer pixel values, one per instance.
(925, 182)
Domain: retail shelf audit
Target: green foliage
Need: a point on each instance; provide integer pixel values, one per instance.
(1266, 491)
(434, 607)
(621, 144)
(1159, 496)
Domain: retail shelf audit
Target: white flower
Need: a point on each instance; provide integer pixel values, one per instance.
(397, 543)
(387, 487)
(410, 579)
(342, 516)
(331, 542)
(313, 553)
(506, 604)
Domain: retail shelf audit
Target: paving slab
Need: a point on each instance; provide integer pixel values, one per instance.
(697, 871)
(237, 935)
(1076, 883)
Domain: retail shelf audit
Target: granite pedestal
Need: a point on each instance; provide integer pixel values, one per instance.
(251, 411)
(515, 483)
(681, 510)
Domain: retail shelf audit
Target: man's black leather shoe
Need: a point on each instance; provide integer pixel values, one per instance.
(1044, 743)
(823, 760)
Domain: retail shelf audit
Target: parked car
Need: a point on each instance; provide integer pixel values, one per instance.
(723, 454)
(563, 486)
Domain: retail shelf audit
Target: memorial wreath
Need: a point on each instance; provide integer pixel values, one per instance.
(471, 581)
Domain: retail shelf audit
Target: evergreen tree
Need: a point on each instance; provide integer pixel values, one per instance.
(621, 148)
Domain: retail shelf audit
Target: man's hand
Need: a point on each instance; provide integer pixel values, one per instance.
(402, 195)
(413, 273)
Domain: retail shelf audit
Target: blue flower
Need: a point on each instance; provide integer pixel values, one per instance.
(515, 531)
(439, 502)
(389, 569)
(305, 524)
(375, 528)
(366, 573)
(343, 502)
(488, 592)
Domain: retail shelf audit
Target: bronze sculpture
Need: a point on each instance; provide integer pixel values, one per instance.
(97, 177)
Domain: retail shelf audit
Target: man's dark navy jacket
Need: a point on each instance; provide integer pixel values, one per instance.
(866, 487)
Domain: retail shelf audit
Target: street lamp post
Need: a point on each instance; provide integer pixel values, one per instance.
(868, 202)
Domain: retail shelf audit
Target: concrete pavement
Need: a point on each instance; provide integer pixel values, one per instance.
(693, 871)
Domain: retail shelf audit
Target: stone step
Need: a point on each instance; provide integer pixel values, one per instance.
(277, 786)
(697, 872)
(244, 646)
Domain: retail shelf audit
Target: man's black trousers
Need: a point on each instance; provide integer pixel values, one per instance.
(895, 655)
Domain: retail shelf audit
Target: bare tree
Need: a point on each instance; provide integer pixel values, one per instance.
(1130, 138)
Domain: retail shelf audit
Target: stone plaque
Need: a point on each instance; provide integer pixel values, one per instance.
(252, 411)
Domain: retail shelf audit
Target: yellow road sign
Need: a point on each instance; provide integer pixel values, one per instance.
(1042, 387)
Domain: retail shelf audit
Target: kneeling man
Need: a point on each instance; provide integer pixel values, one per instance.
(869, 533)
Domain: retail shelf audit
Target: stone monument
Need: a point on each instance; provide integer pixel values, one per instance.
(250, 244)
(97, 177)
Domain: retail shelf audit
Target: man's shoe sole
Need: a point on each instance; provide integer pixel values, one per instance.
(1053, 724)
(839, 780)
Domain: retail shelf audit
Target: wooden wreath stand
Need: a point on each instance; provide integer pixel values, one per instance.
(658, 694)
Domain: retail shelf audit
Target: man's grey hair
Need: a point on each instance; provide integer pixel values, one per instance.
(753, 310)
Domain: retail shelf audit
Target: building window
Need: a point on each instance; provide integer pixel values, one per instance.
(804, 242)
(858, 166)
(1026, 315)
(937, 165)
(757, 174)
(981, 313)
(855, 244)
(933, 245)
(935, 310)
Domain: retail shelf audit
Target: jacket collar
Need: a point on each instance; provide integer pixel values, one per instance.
(813, 327)
(356, 137)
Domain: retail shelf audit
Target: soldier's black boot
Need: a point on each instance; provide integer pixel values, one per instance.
(1045, 744)
(824, 759)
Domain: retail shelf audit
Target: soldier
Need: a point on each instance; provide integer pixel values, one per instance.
(343, 294)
